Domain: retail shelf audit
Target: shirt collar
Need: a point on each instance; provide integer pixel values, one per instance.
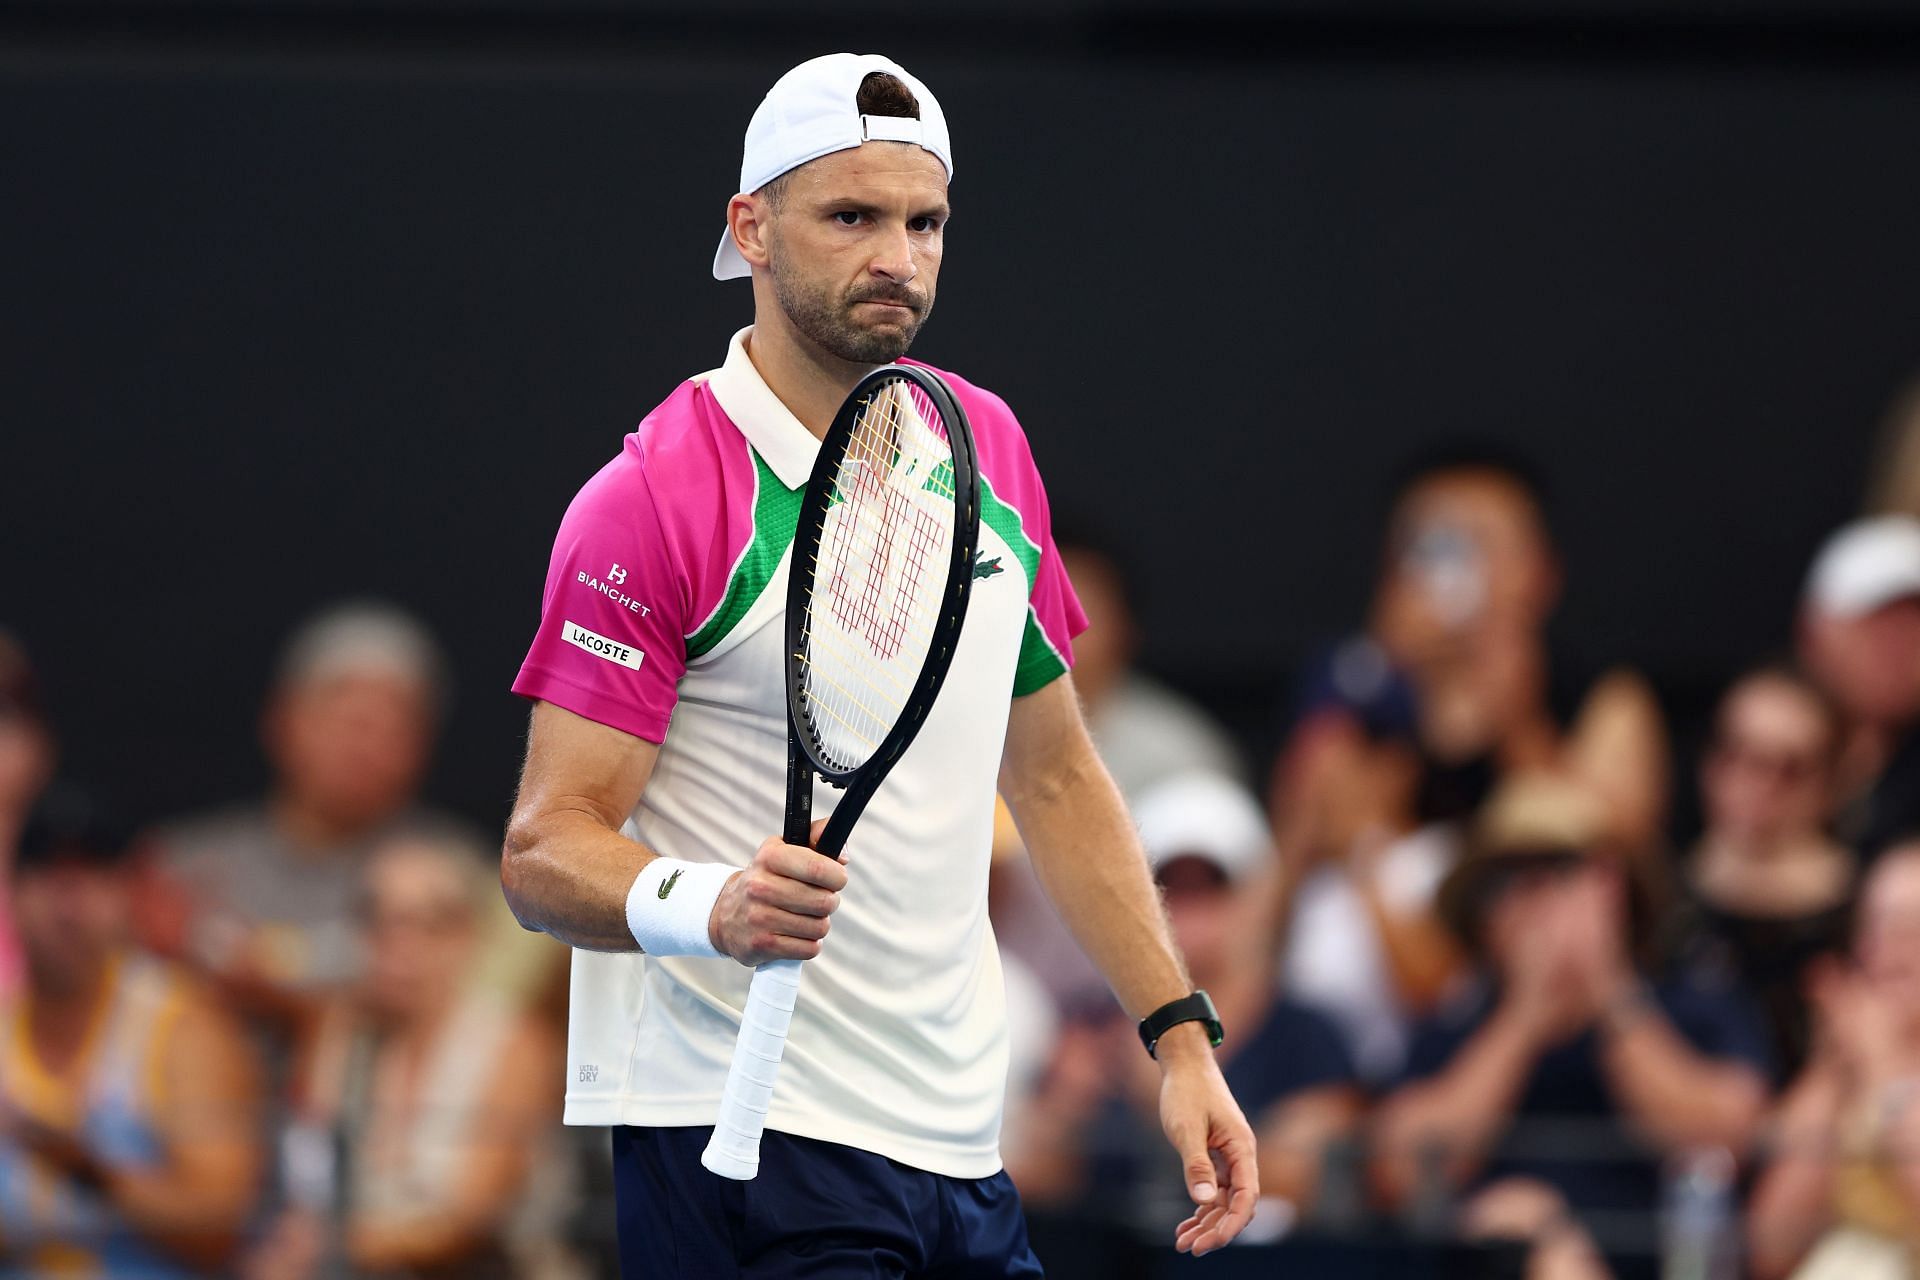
(769, 426)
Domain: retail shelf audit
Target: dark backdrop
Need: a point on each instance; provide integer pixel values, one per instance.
(298, 305)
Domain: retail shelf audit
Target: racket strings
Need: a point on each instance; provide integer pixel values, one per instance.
(880, 570)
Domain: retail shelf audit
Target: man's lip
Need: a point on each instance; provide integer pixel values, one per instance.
(884, 302)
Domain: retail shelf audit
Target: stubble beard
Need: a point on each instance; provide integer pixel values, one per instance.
(827, 321)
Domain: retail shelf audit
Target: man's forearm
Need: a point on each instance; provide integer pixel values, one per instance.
(1088, 858)
(566, 874)
(197, 1221)
(1671, 1092)
(1455, 1116)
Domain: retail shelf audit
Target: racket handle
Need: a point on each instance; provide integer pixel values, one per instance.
(734, 1150)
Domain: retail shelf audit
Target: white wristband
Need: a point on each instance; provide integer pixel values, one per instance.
(671, 904)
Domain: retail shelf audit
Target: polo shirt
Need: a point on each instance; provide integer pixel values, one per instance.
(664, 617)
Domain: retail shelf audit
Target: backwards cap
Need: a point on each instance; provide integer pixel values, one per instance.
(810, 112)
(1865, 566)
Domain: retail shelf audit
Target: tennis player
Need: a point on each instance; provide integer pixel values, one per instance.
(657, 757)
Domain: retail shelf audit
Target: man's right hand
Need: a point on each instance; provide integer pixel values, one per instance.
(778, 908)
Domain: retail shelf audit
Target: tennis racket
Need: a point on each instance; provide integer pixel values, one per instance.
(877, 588)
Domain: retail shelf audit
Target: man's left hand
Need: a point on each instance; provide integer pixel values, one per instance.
(1214, 1140)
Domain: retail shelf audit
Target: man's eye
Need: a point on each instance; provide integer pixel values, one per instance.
(847, 218)
(923, 225)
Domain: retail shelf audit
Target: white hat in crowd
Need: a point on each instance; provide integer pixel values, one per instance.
(1865, 566)
(363, 637)
(810, 113)
(1206, 816)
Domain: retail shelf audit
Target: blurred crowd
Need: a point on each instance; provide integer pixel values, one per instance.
(1487, 999)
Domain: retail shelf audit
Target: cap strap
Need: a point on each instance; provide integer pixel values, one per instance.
(891, 129)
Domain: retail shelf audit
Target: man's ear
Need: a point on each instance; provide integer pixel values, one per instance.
(749, 219)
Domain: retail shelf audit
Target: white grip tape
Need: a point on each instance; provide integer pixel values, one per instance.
(734, 1150)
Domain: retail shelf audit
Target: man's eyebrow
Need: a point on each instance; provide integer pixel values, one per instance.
(851, 204)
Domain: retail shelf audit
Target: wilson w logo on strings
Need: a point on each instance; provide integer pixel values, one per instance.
(882, 546)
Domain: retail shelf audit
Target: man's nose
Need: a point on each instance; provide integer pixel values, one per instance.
(894, 257)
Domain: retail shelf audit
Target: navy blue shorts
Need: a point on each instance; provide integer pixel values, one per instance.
(817, 1209)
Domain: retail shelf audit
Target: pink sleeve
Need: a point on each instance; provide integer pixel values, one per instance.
(1015, 503)
(612, 639)
(1046, 651)
(1055, 604)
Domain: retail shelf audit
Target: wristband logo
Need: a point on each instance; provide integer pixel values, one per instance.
(985, 568)
(666, 886)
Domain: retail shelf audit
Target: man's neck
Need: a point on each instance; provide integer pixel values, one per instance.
(60, 1015)
(811, 381)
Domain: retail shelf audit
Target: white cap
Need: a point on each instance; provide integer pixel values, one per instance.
(809, 113)
(1865, 566)
(362, 637)
(1203, 815)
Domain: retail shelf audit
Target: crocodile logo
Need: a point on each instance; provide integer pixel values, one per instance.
(985, 568)
(666, 886)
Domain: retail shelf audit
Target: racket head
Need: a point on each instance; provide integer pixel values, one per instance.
(881, 572)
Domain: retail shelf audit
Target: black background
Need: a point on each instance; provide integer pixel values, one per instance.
(302, 301)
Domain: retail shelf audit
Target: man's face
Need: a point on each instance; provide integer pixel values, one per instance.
(1520, 904)
(26, 763)
(70, 915)
(353, 745)
(1467, 553)
(1202, 910)
(1871, 663)
(854, 248)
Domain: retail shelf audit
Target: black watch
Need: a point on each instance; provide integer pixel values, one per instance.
(1197, 1007)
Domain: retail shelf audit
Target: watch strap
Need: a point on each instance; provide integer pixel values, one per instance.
(1197, 1007)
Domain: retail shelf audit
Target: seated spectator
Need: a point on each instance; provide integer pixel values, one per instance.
(1768, 889)
(1561, 1076)
(261, 896)
(26, 766)
(128, 1102)
(1860, 637)
(1840, 1196)
(1360, 937)
(447, 1098)
(1460, 612)
(1089, 1136)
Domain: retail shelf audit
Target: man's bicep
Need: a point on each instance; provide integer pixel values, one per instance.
(580, 764)
(1046, 739)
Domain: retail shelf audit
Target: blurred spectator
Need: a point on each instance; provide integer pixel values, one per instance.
(262, 895)
(1860, 636)
(1767, 887)
(1361, 939)
(446, 1099)
(1145, 733)
(1088, 1138)
(128, 1104)
(1561, 1077)
(27, 759)
(1461, 609)
(1840, 1198)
